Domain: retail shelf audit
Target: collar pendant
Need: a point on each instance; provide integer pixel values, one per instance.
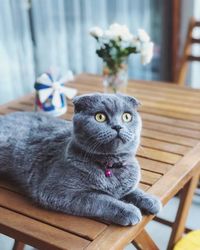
(108, 172)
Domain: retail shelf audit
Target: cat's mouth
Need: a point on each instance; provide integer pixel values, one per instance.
(115, 139)
(119, 137)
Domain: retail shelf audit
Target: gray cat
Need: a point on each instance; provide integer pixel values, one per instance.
(86, 167)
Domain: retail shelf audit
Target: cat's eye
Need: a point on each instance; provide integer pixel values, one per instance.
(100, 117)
(126, 117)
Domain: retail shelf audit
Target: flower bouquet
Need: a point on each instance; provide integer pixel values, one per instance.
(115, 45)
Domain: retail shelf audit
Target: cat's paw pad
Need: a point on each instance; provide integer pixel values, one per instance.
(131, 215)
(152, 205)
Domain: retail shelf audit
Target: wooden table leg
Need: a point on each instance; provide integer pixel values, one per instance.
(186, 196)
(18, 245)
(144, 242)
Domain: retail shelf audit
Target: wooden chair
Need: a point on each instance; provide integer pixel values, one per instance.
(187, 53)
(188, 57)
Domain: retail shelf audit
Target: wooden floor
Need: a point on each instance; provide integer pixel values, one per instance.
(170, 139)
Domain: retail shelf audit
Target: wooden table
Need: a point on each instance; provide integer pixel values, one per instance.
(170, 160)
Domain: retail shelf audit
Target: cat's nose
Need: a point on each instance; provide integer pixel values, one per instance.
(117, 127)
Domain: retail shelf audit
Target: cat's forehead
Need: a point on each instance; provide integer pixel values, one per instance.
(110, 103)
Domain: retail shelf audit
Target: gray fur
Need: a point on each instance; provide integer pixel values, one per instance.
(57, 162)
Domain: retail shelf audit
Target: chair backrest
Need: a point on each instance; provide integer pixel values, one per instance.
(187, 53)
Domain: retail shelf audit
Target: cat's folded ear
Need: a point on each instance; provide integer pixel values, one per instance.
(130, 99)
(84, 102)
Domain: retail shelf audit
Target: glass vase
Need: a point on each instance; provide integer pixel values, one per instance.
(115, 82)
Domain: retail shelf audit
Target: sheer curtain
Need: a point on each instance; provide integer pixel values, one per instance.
(16, 51)
(36, 35)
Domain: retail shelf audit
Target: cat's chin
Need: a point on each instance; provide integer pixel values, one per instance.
(114, 145)
(119, 139)
(121, 144)
(117, 142)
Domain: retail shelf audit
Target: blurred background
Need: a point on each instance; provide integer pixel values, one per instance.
(38, 34)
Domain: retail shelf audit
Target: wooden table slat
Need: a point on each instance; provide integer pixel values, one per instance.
(170, 107)
(161, 97)
(176, 139)
(171, 129)
(83, 227)
(173, 97)
(171, 113)
(177, 176)
(158, 155)
(164, 146)
(144, 187)
(38, 234)
(149, 177)
(154, 166)
(170, 121)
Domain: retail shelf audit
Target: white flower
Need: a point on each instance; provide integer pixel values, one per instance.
(143, 36)
(116, 31)
(127, 37)
(96, 32)
(146, 52)
(108, 34)
(136, 43)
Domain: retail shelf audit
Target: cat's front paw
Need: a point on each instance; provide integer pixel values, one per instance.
(152, 205)
(131, 215)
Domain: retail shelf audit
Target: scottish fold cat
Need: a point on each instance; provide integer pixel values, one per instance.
(86, 167)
